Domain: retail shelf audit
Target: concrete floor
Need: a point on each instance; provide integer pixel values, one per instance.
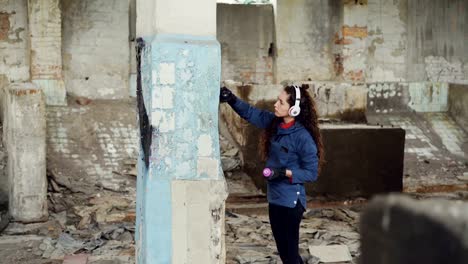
(436, 151)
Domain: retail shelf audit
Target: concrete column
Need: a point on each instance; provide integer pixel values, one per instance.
(354, 36)
(25, 132)
(45, 29)
(181, 189)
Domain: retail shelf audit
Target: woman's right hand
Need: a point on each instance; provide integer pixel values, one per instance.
(226, 95)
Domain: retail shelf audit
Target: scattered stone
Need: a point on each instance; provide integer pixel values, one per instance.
(83, 100)
(48, 247)
(332, 253)
(464, 177)
(76, 259)
(68, 244)
(61, 218)
(126, 237)
(231, 153)
(229, 163)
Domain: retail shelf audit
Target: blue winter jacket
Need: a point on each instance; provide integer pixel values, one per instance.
(293, 148)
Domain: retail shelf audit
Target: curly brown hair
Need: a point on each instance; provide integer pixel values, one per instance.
(308, 118)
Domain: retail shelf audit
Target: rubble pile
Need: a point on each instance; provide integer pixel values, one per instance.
(249, 238)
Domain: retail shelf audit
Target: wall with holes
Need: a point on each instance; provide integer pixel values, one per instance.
(96, 57)
(305, 34)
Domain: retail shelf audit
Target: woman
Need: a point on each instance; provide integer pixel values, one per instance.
(293, 150)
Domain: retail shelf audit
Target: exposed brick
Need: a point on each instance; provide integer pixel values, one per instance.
(4, 25)
(354, 32)
(355, 76)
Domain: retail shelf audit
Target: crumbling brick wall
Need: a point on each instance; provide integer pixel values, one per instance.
(14, 40)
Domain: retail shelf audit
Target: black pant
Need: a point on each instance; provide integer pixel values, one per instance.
(285, 223)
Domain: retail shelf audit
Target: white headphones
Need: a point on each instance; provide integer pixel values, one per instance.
(295, 109)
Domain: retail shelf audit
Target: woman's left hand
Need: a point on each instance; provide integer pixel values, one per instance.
(288, 173)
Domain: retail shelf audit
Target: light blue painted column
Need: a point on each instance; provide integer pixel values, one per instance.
(180, 188)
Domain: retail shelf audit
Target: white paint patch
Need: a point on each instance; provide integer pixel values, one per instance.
(163, 120)
(205, 147)
(163, 146)
(186, 75)
(428, 97)
(163, 98)
(167, 73)
(168, 162)
(154, 77)
(182, 170)
(208, 166)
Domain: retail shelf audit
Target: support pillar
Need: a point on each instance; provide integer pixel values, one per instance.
(181, 189)
(45, 29)
(25, 139)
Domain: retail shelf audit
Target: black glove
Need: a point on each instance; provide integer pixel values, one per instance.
(277, 174)
(226, 95)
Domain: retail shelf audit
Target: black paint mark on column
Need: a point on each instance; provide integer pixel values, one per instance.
(145, 128)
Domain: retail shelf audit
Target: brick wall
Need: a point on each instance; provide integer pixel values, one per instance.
(96, 48)
(91, 143)
(14, 40)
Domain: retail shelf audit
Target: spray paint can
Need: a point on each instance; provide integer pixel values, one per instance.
(267, 172)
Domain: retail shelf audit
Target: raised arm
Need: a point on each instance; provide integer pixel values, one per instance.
(255, 116)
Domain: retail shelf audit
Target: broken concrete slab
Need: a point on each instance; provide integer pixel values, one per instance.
(76, 259)
(331, 253)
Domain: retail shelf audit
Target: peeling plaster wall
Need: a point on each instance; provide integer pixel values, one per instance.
(14, 40)
(391, 97)
(246, 34)
(305, 33)
(354, 34)
(387, 41)
(46, 39)
(96, 48)
(458, 105)
(437, 41)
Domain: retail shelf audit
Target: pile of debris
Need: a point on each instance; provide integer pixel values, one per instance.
(102, 228)
(249, 238)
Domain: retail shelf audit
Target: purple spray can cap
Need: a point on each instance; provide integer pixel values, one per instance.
(267, 172)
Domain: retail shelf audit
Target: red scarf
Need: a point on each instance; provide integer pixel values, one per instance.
(287, 125)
